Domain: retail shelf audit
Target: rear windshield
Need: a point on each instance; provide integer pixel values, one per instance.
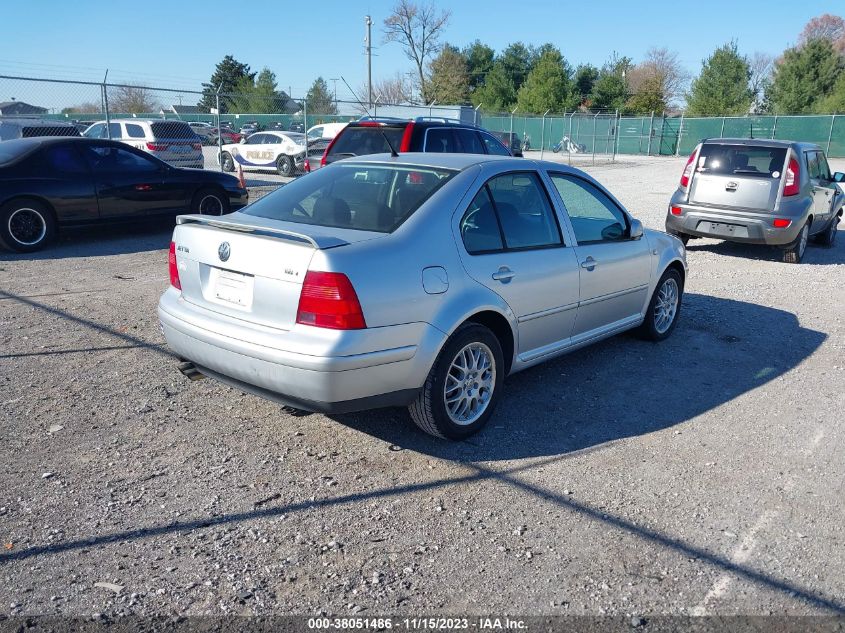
(362, 140)
(172, 129)
(370, 197)
(741, 160)
(10, 150)
(49, 130)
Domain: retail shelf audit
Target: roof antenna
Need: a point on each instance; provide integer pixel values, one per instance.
(393, 152)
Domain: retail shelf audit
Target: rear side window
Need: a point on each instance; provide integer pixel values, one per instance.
(741, 160)
(134, 131)
(440, 140)
(172, 129)
(46, 130)
(114, 130)
(468, 141)
(362, 140)
(64, 159)
(368, 197)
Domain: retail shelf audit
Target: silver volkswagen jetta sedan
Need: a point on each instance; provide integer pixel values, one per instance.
(420, 280)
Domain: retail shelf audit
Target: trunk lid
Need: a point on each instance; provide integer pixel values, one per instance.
(246, 268)
(738, 176)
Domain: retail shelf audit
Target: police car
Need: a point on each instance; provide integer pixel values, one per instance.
(283, 152)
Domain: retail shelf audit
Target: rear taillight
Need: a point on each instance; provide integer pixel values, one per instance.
(405, 145)
(792, 178)
(328, 149)
(306, 166)
(196, 146)
(174, 269)
(781, 223)
(156, 147)
(328, 300)
(687, 173)
(675, 210)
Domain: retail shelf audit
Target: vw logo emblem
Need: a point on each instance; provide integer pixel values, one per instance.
(223, 251)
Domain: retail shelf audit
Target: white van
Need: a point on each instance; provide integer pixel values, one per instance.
(325, 131)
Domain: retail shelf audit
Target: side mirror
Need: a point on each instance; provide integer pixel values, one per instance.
(243, 139)
(636, 229)
(839, 177)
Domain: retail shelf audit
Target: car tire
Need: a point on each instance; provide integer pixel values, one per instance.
(284, 165)
(474, 352)
(210, 201)
(828, 238)
(26, 225)
(664, 307)
(227, 162)
(684, 237)
(794, 253)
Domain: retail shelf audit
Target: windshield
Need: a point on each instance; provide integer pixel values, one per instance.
(368, 197)
(741, 160)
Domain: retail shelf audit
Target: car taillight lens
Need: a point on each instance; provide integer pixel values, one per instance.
(174, 269)
(687, 173)
(781, 223)
(792, 178)
(196, 146)
(328, 300)
(306, 166)
(156, 147)
(676, 210)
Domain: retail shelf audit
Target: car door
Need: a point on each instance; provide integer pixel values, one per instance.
(614, 269)
(513, 245)
(824, 190)
(64, 178)
(131, 184)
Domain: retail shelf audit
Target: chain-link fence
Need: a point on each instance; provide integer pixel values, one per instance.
(220, 117)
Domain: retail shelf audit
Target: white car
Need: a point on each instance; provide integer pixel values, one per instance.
(325, 131)
(283, 152)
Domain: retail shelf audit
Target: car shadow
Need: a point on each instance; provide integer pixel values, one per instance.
(93, 241)
(814, 255)
(621, 387)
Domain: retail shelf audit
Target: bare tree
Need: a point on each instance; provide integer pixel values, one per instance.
(762, 65)
(825, 27)
(417, 28)
(658, 80)
(132, 100)
(87, 107)
(397, 89)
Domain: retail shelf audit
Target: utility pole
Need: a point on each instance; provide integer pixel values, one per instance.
(369, 46)
(335, 80)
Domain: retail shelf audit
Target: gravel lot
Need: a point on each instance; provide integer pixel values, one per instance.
(703, 475)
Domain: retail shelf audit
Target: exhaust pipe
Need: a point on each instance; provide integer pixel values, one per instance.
(190, 370)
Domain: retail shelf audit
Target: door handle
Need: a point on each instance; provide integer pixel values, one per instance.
(589, 263)
(504, 274)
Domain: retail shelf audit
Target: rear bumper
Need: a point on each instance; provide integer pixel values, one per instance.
(735, 226)
(309, 376)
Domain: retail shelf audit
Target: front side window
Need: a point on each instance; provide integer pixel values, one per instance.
(96, 131)
(524, 211)
(824, 168)
(64, 159)
(493, 145)
(366, 197)
(255, 139)
(134, 131)
(594, 216)
(813, 164)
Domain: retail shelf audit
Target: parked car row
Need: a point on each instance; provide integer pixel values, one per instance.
(174, 142)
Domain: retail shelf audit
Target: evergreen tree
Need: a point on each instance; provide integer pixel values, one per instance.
(610, 90)
(228, 73)
(479, 58)
(586, 76)
(804, 76)
(497, 93)
(319, 100)
(516, 61)
(548, 86)
(722, 88)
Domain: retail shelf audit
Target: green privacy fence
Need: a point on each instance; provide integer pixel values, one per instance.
(666, 136)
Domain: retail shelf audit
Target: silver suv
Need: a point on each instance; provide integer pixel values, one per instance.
(779, 193)
(174, 142)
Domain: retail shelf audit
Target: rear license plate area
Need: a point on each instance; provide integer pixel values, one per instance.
(232, 288)
(723, 229)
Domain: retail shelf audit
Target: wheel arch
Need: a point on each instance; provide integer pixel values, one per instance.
(40, 199)
(502, 330)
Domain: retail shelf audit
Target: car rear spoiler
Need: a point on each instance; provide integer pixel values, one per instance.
(319, 242)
